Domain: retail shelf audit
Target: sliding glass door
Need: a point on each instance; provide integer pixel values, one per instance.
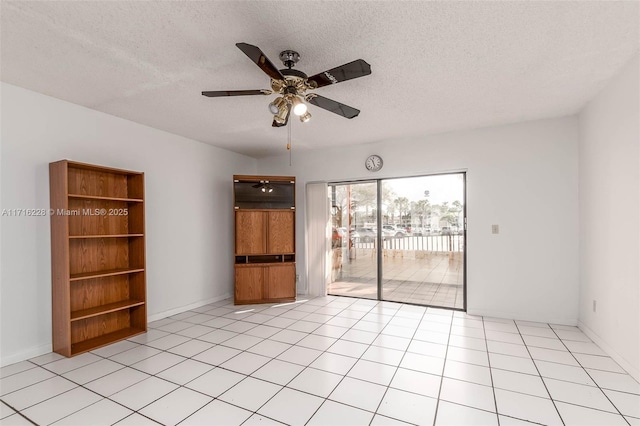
(354, 240)
(416, 255)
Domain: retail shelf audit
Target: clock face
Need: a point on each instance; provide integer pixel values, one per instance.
(373, 163)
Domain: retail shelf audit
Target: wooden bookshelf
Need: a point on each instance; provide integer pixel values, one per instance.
(98, 256)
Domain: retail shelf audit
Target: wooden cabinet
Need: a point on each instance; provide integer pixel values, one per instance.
(98, 256)
(264, 239)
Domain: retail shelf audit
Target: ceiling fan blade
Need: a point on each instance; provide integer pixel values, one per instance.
(286, 119)
(260, 59)
(355, 69)
(333, 106)
(216, 94)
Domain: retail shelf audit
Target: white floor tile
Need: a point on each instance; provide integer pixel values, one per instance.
(561, 357)
(383, 355)
(149, 336)
(589, 348)
(242, 342)
(633, 421)
(320, 343)
(512, 363)
(527, 407)
(101, 413)
(427, 348)
(332, 413)
(357, 393)
(263, 331)
(330, 331)
(185, 371)
(158, 363)
(372, 327)
(379, 420)
(373, 372)
(40, 360)
(176, 406)
(142, 393)
(67, 364)
(114, 348)
(596, 362)
(269, 348)
(615, 381)
(167, 342)
(450, 414)
(518, 382)
(288, 336)
(218, 412)
(299, 355)
(250, 393)
(359, 336)
(334, 363)
(564, 372)
(344, 347)
(23, 379)
(512, 421)
(408, 407)
(245, 363)
(217, 336)
(16, 420)
(61, 406)
(5, 410)
(217, 355)
(191, 348)
(115, 382)
(469, 356)
(431, 336)
(573, 393)
(316, 382)
(276, 371)
(468, 372)
(544, 342)
(424, 363)
(195, 331)
(573, 334)
(499, 326)
(583, 416)
(468, 343)
(215, 382)
(540, 330)
(392, 342)
(134, 355)
(38, 392)
(500, 336)
(240, 326)
(258, 420)
(469, 394)
(627, 403)
(291, 407)
(304, 326)
(416, 382)
(507, 349)
(477, 333)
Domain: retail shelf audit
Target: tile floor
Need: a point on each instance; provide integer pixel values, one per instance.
(328, 361)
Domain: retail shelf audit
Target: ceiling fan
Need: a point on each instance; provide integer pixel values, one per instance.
(291, 85)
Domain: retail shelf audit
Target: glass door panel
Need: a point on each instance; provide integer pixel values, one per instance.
(354, 240)
(423, 240)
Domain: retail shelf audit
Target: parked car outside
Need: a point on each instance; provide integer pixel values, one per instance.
(394, 231)
(445, 230)
(366, 235)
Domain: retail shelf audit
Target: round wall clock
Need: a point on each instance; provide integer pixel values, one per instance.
(373, 163)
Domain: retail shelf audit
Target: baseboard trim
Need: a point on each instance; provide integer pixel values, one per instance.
(520, 317)
(175, 311)
(633, 371)
(26, 354)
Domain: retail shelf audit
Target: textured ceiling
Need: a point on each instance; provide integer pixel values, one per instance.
(436, 66)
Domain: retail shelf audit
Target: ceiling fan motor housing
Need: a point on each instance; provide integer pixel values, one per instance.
(289, 58)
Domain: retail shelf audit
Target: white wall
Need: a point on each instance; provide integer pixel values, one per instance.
(609, 218)
(523, 177)
(189, 210)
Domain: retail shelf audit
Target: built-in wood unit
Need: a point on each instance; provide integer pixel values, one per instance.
(97, 255)
(265, 256)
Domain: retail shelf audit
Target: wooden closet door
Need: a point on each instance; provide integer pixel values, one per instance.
(281, 232)
(281, 281)
(251, 235)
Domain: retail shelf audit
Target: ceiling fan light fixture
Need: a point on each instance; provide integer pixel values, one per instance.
(277, 105)
(299, 107)
(305, 117)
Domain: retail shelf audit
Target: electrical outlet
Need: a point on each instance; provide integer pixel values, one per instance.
(495, 229)
(594, 306)
(297, 278)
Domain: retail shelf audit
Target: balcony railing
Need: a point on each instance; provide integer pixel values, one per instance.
(427, 243)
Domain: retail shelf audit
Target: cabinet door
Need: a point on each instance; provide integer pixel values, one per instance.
(281, 281)
(249, 283)
(281, 232)
(250, 232)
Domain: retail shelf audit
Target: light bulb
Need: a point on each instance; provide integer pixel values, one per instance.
(270, 189)
(305, 117)
(264, 189)
(299, 107)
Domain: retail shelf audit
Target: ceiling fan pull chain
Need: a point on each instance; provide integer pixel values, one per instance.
(289, 142)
